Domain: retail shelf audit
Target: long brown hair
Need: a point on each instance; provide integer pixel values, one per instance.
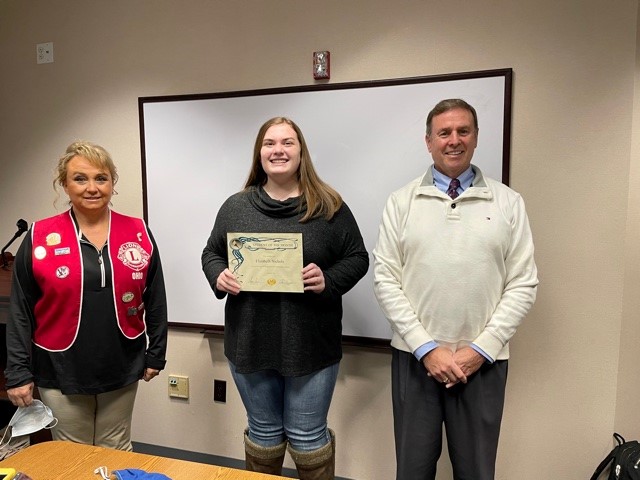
(320, 199)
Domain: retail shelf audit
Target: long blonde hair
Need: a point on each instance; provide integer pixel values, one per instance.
(320, 199)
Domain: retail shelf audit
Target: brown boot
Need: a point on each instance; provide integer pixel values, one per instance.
(263, 459)
(317, 464)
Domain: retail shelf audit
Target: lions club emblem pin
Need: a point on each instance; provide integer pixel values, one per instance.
(133, 256)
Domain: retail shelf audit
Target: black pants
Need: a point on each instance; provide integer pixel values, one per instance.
(471, 414)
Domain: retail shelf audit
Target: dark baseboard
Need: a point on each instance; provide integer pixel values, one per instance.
(201, 458)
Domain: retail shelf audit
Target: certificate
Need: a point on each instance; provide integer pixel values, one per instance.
(266, 262)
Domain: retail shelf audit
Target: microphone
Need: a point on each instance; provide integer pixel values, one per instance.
(23, 226)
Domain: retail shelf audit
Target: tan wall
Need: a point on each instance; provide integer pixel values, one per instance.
(627, 404)
(575, 158)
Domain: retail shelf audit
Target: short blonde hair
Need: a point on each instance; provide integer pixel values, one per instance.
(94, 154)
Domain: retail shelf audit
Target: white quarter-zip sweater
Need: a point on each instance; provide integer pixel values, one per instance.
(455, 271)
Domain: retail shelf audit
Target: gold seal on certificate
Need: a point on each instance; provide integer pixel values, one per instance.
(266, 262)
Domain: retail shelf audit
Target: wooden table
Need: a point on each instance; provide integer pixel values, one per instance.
(57, 460)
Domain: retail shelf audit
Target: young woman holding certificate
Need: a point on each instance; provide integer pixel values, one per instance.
(284, 348)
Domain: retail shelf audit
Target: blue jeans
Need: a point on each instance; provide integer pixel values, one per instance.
(287, 408)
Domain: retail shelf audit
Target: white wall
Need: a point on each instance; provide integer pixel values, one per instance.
(573, 376)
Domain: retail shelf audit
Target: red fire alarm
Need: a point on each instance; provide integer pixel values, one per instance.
(321, 68)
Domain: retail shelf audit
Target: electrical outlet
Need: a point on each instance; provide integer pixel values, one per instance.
(220, 391)
(44, 52)
(178, 386)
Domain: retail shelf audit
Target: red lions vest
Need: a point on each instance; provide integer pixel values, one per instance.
(58, 270)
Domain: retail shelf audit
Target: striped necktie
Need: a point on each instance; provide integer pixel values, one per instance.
(453, 188)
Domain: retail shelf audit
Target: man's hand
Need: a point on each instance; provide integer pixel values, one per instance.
(441, 365)
(468, 360)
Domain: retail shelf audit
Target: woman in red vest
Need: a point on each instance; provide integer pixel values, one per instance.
(88, 315)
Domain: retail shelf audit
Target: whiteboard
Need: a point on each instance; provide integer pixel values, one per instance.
(366, 139)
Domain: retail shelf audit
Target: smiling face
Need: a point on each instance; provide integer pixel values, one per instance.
(452, 141)
(280, 153)
(89, 188)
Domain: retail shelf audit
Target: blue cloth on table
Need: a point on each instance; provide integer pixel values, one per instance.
(136, 474)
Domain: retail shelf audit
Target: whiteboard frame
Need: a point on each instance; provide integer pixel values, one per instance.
(171, 258)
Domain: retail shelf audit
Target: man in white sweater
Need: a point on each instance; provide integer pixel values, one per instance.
(455, 276)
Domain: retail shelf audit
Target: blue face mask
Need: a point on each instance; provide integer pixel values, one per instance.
(28, 420)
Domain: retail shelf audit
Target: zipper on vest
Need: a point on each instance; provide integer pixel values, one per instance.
(102, 274)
